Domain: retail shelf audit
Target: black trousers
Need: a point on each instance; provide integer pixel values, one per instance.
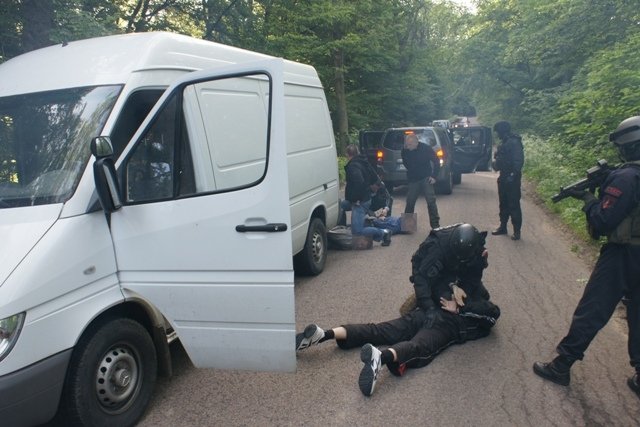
(615, 275)
(415, 344)
(509, 194)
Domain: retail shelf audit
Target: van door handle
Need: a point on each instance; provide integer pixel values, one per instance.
(269, 228)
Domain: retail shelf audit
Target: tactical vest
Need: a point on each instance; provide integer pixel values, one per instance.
(628, 231)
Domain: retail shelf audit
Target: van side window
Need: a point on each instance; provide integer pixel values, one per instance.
(215, 140)
(133, 113)
(149, 171)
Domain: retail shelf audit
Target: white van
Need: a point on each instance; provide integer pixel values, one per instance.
(212, 167)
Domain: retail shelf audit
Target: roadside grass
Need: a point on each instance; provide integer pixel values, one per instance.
(550, 165)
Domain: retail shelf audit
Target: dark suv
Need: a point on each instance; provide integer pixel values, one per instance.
(390, 158)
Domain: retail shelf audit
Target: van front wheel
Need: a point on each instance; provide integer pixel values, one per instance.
(111, 376)
(311, 260)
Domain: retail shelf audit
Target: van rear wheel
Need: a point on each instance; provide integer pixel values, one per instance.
(111, 376)
(311, 260)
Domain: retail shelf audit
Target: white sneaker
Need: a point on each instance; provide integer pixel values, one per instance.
(370, 356)
(311, 336)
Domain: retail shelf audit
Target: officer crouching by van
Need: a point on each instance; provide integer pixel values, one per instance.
(615, 214)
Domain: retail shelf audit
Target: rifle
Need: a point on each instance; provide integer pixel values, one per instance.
(595, 177)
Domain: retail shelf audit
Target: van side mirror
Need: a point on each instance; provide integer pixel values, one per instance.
(104, 174)
(101, 147)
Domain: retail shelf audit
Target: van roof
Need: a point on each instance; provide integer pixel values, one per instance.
(112, 60)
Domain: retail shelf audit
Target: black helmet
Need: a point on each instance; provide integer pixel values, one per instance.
(466, 242)
(626, 138)
(502, 127)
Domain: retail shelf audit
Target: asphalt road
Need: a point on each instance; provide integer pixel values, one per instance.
(536, 282)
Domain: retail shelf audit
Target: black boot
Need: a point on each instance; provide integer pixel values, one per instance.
(557, 371)
(500, 230)
(516, 235)
(634, 384)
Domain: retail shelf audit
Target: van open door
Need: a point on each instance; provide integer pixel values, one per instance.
(204, 229)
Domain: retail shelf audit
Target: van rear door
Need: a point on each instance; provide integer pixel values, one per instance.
(204, 232)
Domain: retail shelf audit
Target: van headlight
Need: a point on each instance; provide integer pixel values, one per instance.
(9, 330)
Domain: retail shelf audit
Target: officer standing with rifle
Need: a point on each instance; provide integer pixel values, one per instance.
(616, 215)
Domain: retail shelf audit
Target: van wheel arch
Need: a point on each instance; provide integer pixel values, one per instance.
(311, 260)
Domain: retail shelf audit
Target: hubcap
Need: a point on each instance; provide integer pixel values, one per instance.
(317, 248)
(117, 379)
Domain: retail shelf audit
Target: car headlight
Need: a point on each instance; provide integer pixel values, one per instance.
(9, 330)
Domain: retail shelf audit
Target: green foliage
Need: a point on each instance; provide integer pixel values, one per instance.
(605, 92)
(566, 70)
(550, 164)
(342, 162)
(522, 57)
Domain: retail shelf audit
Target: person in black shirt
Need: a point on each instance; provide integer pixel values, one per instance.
(423, 167)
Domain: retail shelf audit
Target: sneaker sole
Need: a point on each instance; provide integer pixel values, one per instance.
(307, 334)
(366, 381)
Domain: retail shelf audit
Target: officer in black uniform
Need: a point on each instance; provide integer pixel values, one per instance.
(509, 159)
(452, 307)
(616, 275)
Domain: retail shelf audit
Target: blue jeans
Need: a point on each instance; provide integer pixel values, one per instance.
(358, 214)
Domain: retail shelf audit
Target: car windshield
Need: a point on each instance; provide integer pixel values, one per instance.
(44, 142)
(394, 139)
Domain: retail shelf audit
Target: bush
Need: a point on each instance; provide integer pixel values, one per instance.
(342, 161)
(551, 165)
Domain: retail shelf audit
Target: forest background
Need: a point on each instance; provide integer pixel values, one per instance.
(563, 72)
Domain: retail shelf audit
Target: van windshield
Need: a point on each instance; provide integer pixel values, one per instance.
(44, 142)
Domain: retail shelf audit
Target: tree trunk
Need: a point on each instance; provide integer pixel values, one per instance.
(37, 21)
(341, 102)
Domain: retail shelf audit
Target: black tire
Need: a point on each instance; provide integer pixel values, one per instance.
(118, 351)
(310, 262)
(446, 185)
(457, 178)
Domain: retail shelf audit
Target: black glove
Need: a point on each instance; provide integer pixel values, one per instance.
(432, 317)
(576, 194)
(583, 195)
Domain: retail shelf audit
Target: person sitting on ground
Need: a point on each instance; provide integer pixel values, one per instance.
(451, 306)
